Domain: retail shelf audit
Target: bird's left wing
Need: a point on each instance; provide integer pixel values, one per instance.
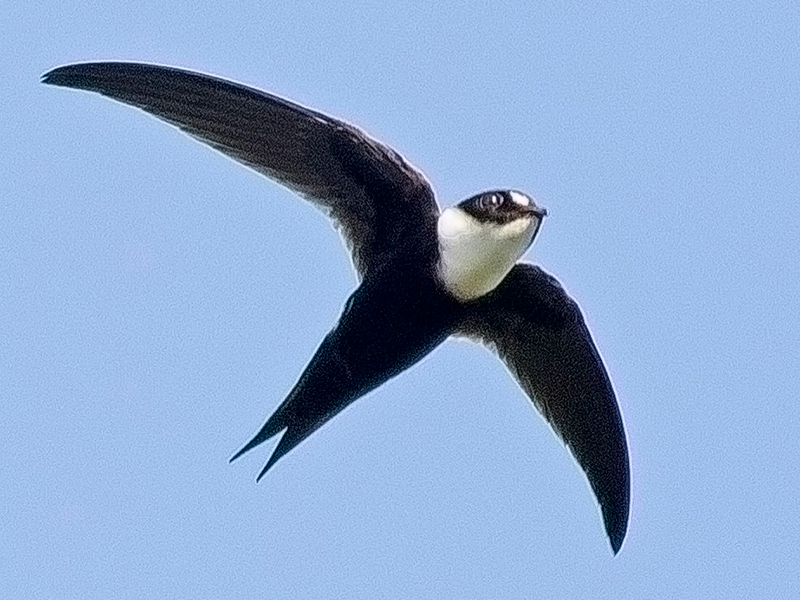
(377, 199)
(540, 334)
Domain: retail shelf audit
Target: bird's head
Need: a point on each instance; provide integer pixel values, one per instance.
(481, 238)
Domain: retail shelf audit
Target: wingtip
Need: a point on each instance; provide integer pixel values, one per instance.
(82, 75)
(615, 512)
(47, 78)
(61, 76)
(616, 538)
(616, 545)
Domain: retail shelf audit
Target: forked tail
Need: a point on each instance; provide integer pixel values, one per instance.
(292, 436)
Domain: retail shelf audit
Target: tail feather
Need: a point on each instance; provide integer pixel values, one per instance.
(293, 434)
(290, 439)
(324, 389)
(274, 425)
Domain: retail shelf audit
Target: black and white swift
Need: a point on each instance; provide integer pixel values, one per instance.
(424, 275)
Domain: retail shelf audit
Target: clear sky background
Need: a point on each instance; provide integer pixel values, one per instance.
(157, 301)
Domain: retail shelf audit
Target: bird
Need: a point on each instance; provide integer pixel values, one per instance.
(424, 274)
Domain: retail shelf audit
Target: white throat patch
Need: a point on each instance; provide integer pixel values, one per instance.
(474, 256)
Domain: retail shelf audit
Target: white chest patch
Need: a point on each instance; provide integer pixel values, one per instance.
(476, 256)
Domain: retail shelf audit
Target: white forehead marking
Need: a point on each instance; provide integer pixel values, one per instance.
(520, 199)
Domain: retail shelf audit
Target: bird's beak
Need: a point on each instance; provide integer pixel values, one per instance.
(538, 211)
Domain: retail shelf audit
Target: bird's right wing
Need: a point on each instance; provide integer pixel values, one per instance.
(376, 198)
(540, 334)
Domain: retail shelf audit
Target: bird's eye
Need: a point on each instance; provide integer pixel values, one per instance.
(491, 201)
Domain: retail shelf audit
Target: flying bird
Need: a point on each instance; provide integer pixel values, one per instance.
(423, 274)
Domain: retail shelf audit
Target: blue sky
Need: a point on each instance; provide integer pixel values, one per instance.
(157, 301)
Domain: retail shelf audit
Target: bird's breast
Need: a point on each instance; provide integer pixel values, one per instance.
(475, 257)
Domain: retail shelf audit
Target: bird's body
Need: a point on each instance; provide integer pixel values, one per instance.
(424, 275)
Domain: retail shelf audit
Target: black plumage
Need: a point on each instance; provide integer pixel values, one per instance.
(387, 214)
